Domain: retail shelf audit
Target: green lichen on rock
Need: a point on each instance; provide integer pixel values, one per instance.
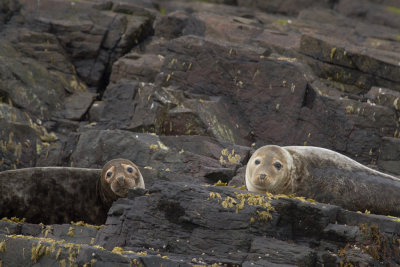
(281, 21)
(393, 9)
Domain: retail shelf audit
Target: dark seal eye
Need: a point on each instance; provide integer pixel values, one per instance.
(109, 174)
(278, 166)
(129, 169)
(257, 161)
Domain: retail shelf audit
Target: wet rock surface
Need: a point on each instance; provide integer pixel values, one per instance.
(187, 90)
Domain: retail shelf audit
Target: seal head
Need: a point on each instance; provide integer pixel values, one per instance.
(117, 177)
(269, 169)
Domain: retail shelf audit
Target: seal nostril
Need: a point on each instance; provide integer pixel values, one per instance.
(263, 175)
(120, 179)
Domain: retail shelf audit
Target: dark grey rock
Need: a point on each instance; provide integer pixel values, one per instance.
(52, 195)
(211, 224)
(389, 156)
(79, 80)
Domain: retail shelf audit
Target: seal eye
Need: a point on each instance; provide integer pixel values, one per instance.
(109, 174)
(278, 166)
(129, 169)
(257, 161)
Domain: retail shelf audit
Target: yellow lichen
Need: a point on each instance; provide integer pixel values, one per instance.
(240, 206)
(58, 253)
(220, 183)
(3, 247)
(153, 147)
(162, 146)
(264, 215)
(349, 110)
(90, 264)
(228, 202)
(136, 263)
(396, 219)
(226, 157)
(71, 231)
(63, 263)
(82, 223)
(394, 9)
(117, 250)
(333, 51)
(73, 251)
(214, 195)
(281, 21)
(38, 251)
(243, 187)
(14, 220)
(396, 103)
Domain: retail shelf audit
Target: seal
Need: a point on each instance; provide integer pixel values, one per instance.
(323, 175)
(117, 177)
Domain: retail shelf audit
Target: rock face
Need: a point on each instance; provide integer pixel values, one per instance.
(187, 90)
(52, 195)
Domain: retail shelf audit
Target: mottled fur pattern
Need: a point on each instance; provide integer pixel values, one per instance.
(117, 177)
(323, 175)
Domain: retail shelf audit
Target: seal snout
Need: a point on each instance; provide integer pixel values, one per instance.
(263, 176)
(120, 179)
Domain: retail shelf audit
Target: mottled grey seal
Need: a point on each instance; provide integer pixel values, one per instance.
(117, 177)
(323, 175)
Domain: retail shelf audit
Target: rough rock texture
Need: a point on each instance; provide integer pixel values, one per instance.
(52, 195)
(187, 90)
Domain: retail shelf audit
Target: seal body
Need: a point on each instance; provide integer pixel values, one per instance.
(323, 175)
(117, 177)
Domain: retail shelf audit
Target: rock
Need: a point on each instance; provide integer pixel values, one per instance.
(134, 66)
(20, 143)
(288, 7)
(77, 105)
(159, 160)
(186, 89)
(386, 14)
(93, 38)
(382, 64)
(390, 155)
(50, 252)
(52, 195)
(210, 224)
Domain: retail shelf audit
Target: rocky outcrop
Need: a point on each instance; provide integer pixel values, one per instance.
(184, 224)
(187, 90)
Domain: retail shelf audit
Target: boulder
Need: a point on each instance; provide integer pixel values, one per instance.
(208, 225)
